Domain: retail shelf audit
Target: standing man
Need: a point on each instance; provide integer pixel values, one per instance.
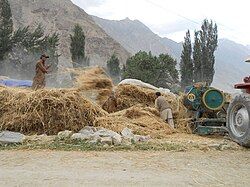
(41, 69)
(164, 108)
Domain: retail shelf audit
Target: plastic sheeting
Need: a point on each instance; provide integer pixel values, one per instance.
(137, 82)
(15, 83)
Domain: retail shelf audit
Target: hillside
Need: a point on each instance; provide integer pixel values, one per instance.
(135, 36)
(230, 67)
(61, 16)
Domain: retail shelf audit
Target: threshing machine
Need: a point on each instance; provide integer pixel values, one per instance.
(208, 107)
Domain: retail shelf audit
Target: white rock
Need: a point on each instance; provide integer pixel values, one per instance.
(127, 133)
(117, 139)
(106, 140)
(106, 133)
(43, 138)
(80, 136)
(64, 134)
(126, 141)
(8, 137)
(88, 129)
(139, 138)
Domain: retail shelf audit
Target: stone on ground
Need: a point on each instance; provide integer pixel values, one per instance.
(8, 137)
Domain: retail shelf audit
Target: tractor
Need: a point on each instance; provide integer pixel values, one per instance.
(238, 114)
(213, 114)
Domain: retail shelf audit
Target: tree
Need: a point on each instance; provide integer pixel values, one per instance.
(197, 58)
(6, 28)
(209, 43)
(27, 46)
(206, 42)
(186, 63)
(158, 71)
(77, 47)
(113, 66)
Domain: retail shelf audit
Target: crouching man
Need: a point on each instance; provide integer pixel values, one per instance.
(164, 108)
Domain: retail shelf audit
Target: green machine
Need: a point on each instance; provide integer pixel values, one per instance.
(208, 107)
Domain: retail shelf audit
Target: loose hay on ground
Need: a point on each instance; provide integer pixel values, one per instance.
(45, 111)
(142, 121)
(129, 95)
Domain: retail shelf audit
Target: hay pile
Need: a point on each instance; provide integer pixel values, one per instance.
(141, 120)
(45, 111)
(96, 81)
(51, 111)
(129, 95)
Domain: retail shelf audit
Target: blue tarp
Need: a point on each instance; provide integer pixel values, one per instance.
(16, 83)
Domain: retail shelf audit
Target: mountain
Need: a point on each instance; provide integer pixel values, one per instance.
(230, 67)
(135, 36)
(60, 16)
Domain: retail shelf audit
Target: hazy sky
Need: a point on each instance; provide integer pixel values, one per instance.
(171, 18)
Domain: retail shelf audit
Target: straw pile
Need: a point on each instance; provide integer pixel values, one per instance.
(45, 111)
(51, 111)
(141, 120)
(129, 95)
(94, 80)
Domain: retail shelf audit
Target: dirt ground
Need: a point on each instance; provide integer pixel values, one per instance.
(144, 168)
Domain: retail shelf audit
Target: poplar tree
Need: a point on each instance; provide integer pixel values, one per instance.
(6, 28)
(186, 63)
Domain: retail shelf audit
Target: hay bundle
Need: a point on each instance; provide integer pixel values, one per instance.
(45, 111)
(142, 121)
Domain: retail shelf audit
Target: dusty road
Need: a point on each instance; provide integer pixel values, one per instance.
(55, 168)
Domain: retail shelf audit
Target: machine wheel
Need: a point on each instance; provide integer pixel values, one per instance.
(238, 120)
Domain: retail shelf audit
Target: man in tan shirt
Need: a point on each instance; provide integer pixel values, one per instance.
(164, 108)
(41, 70)
(110, 104)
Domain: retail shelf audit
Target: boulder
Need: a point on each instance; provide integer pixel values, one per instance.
(127, 133)
(41, 139)
(80, 136)
(139, 138)
(106, 140)
(88, 129)
(64, 134)
(8, 137)
(116, 138)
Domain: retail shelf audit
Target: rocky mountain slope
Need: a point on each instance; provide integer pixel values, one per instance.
(135, 36)
(230, 67)
(61, 16)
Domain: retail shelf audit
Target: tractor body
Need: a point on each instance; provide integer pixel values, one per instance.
(238, 115)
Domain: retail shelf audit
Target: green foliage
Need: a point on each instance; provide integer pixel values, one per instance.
(77, 47)
(206, 42)
(197, 58)
(27, 46)
(186, 64)
(113, 65)
(158, 71)
(6, 28)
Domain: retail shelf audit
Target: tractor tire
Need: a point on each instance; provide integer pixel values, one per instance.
(238, 120)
